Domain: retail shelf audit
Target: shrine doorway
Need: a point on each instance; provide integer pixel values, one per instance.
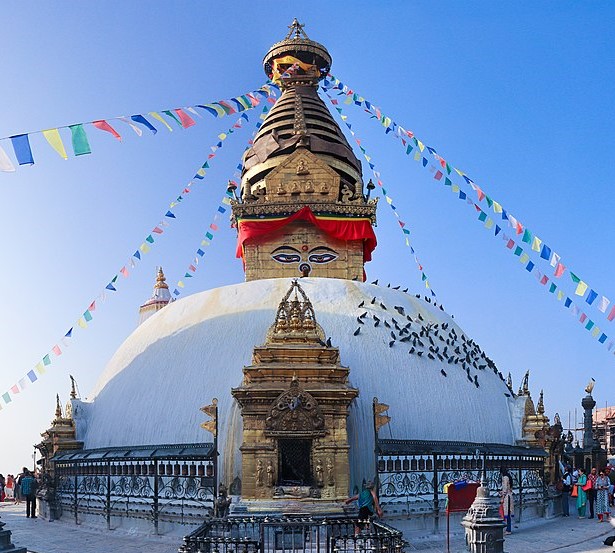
(295, 467)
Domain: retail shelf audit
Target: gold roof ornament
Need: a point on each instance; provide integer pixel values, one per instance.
(160, 280)
(540, 408)
(295, 320)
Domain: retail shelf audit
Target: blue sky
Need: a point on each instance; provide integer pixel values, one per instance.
(519, 96)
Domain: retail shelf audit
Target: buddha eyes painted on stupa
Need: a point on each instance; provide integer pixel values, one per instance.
(319, 255)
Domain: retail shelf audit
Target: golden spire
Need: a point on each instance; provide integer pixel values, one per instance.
(541, 405)
(160, 280)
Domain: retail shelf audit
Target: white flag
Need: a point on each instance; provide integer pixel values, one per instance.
(5, 162)
(604, 303)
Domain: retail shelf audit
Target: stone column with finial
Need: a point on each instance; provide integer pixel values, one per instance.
(588, 403)
(484, 528)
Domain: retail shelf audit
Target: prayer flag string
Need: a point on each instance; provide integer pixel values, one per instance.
(88, 315)
(443, 172)
(403, 225)
(79, 140)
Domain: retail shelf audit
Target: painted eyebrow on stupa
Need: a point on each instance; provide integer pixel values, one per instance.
(322, 249)
(279, 248)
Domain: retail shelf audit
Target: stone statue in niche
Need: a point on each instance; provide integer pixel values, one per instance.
(294, 187)
(309, 187)
(260, 193)
(281, 190)
(323, 188)
(330, 476)
(318, 473)
(259, 473)
(269, 474)
(302, 168)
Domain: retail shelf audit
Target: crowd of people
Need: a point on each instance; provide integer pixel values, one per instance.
(20, 488)
(593, 492)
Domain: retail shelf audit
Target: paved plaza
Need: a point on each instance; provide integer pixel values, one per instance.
(39, 536)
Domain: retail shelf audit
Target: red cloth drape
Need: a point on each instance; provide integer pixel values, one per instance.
(341, 228)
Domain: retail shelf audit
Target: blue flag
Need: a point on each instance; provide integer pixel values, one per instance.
(144, 121)
(23, 152)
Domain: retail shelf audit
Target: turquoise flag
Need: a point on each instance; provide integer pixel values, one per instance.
(81, 145)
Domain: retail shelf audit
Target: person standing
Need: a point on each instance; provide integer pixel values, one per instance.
(581, 495)
(2, 484)
(10, 487)
(368, 503)
(508, 502)
(603, 510)
(28, 490)
(18, 496)
(591, 492)
(566, 489)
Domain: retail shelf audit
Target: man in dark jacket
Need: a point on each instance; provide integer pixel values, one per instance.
(28, 490)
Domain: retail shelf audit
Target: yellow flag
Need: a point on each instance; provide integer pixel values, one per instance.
(417, 155)
(536, 244)
(560, 295)
(581, 288)
(389, 200)
(421, 145)
(348, 100)
(40, 368)
(159, 118)
(222, 136)
(55, 141)
(454, 188)
(144, 248)
(524, 258)
(497, 208)
(595, 331)
(489, 223)
(201, 172)
(180, 284)
(81, 322)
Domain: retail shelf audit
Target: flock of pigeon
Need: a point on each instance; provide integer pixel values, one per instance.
(435, 341)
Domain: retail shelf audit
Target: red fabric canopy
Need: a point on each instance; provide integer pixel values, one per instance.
(342, 228)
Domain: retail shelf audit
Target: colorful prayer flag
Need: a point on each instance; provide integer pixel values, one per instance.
(21, 147)
(185, 119)
(158, 117)
(81, 146)
(140, 119)
(6, 164)
(52, 136)
(104, 126)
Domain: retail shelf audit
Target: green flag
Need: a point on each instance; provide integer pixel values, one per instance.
(81, 145)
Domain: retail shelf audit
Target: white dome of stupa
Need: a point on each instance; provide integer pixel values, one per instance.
(195, 349)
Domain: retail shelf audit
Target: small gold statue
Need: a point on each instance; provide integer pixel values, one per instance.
(590, 387)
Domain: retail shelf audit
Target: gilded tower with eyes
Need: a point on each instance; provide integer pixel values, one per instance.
(302, 209)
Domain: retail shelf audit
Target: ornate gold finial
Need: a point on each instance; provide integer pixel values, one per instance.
(58, 407)
(296, 28)
(540, 408)
(160, 280)
(73, 390)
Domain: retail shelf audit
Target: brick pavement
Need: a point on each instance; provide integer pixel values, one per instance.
(39, 536)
